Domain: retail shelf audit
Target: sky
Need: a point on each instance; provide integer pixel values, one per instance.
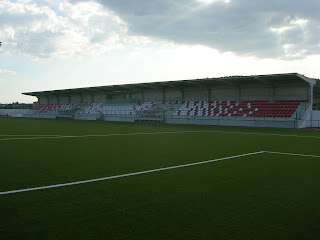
(59, 44)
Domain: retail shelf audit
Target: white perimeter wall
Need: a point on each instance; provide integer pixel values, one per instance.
(13, 112)
(315, 119)
(312, 120)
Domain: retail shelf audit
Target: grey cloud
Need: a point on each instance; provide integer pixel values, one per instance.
(64, 30)
(241, 26)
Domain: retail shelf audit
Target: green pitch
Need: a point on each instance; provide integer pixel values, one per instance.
(258, 196)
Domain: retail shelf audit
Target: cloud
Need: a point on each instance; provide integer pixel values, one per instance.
(42, 29)
(8, 72)
(287, 29)
(255, 28)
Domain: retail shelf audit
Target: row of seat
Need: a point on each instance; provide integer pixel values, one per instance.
(54, 108)
(99, 108)
(254, 108)
(257, 108)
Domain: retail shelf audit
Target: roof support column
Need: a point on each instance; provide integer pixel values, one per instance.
(69, 100)
(48, 99)
(272, 93)
(105, 97)
(81, 97)
(208, 94)
(238, 89)
(58, 99)
(182, 94)
(311, 94)
(142, 97)
(164, 96)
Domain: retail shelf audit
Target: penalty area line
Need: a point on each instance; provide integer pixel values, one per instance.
(126, 175)
(293, 154)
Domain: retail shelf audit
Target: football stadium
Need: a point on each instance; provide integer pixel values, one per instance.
(281, 100)
(216, 158)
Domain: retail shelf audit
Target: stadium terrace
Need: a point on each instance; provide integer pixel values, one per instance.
(278, 100)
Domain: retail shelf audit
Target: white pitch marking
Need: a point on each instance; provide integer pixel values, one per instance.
(100, 135)
(26, 135)
(270, 134)
(153, 133)
(293, 154)
(126, 175)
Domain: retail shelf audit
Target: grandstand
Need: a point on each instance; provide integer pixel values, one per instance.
(279, 100)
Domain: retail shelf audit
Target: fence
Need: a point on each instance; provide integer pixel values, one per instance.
(312, 123)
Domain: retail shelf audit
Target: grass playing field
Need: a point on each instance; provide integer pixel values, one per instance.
(260, 195)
